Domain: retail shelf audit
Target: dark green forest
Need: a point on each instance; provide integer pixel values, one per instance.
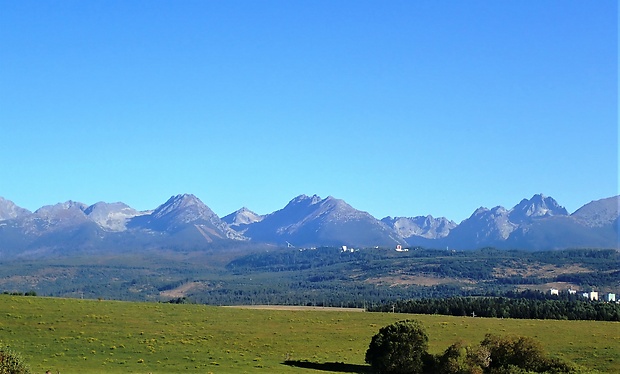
(524, 305)
(372, 278)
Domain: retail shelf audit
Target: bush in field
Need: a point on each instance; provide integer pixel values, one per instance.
(402, 348)
(520, 355)
(399, 348)
(461, 359)
(12, 362)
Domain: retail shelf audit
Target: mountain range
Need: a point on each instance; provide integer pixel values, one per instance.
(184, 222)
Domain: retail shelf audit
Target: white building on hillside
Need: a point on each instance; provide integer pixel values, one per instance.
(399, 248)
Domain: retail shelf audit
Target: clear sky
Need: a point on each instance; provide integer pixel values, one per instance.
(400, 108)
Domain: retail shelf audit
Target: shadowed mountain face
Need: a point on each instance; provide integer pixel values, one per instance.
(185, 222)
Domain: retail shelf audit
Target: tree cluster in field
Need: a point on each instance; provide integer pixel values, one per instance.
(522, 307)
(402, 347)
(15, 293)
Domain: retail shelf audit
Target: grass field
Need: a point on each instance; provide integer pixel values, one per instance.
(90, 336)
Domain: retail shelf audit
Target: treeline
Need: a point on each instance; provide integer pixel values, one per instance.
(17, 293)
(504, 307)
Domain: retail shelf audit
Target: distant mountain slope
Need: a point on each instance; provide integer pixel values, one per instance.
(593, 225)
(599, 213)
(111, 217)
(8, 210)
(485, 227)
(185, 222)
(240, 219)
(310, 220)
(421, 229)
(186, 217)
(537, 223)
(182, 222)
(538, 206)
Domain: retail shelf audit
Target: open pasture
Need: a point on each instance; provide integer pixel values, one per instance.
(91, 336)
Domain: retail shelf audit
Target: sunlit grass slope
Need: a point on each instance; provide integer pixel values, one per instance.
(90, 336)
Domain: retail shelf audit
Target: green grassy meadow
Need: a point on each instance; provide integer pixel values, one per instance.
(91, 336)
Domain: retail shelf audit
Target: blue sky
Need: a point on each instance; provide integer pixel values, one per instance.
(400, 108)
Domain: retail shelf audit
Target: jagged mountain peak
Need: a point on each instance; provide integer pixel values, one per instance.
(111, 216)
(421, 226)
(310, 220)
(243, 216)
(193, 207)
(306, 200)
(182, 200)
(184, 221)
(479, 211)
(9, 210)
(102, 205)
(538, 206)
(69, 205)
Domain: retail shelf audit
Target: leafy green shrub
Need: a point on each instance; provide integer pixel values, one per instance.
(515, 355)
(402, 348)
(12, 362)
(399, 348)
(461, 359)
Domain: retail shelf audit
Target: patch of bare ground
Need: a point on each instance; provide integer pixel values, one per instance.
(536, 270)
(46, 274)
(405, 280)
(296, 307)
(180, 291)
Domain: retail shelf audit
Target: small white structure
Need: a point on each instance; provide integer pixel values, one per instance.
(571, 291)
(399, 248)
(347, 249)
(594, 295)
(554, 291)
(610, 297)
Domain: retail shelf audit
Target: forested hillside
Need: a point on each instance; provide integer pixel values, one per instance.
(324, 276)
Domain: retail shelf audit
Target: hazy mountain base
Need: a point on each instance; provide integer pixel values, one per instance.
(325, 276)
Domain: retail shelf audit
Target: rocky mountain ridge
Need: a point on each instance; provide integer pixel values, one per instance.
(185, 222)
